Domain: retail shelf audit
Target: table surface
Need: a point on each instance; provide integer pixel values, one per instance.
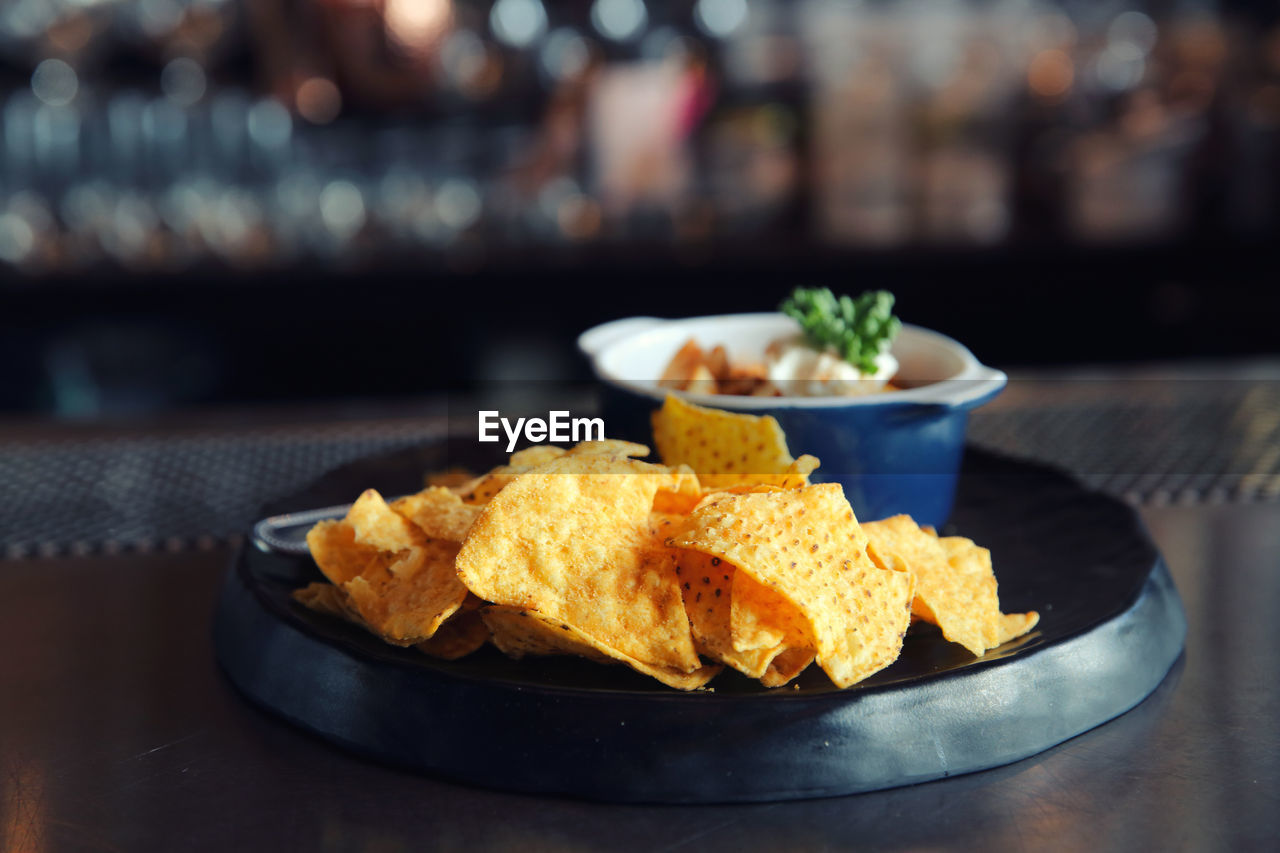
(118, 732)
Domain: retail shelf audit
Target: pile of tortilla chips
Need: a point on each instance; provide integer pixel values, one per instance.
(725, 555)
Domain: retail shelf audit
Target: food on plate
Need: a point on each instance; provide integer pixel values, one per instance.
(955, 585)
(841, 348)
(727, 448)
(571, 542)
(723, 555)
(806, 546)
(398, 580)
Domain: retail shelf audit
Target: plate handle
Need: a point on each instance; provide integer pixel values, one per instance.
(287, 534)
(975, 386)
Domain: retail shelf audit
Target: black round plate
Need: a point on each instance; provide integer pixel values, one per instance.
(1111, 626)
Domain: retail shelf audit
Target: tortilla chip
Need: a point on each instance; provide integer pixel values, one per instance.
(328, 599)
(795, 477)
(334, 548)
(724, 448)
(682, 366)
(407, 588)
(482, 489)
(703, 381)
(973, 580)
(806, 545)
(717, 362)
(664, 525)
(533, 456)
(449, 479)
(762, 618)
(682, 496)
(797, 474)
(439, 512)
(1014, 625)
(522, 632)
(572, 542)
(787, 666)
(405, 597)
(377, 526)
(707, 583)
(518, 632)
(459, 636)
(955, 587)
(609, 447)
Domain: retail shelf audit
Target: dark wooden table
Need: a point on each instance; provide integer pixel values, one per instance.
(118, 732)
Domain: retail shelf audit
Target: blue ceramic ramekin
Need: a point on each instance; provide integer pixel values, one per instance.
(895, 452)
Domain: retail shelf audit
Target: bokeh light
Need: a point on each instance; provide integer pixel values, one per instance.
(55, 82)
(318, 100)
(417, 26)
(619, 20)
(518, 23)
(1051, 73)
(720, 18)
(183, 81)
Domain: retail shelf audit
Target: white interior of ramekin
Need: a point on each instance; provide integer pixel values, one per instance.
(633, 352)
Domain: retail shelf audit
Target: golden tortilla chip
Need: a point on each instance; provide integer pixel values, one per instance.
(664, 525)
(408, 587)
(482, 489)
(707, 583)
(724, 448)
(703, 381)
(460, 635)
(955, 587)
(972, 571)
(519, 632)
(762, 618)
(795, 477)
(439, 512)
(682, 366)
(797, 474)
(1014, 625)
(334, 548)
(973, 579)
(479, 491)
(572, 542)
(449, 479)
(377, 526)
(717, 362)
(682, 496)
(405, 597)
(323, 597)
(535, 455)
(806, 545)
(610, 447)
(787, 666)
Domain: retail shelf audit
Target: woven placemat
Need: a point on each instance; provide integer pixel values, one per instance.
(200, 490)
(1149, 442)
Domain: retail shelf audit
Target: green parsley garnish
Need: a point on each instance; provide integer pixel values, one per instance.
(858, 329)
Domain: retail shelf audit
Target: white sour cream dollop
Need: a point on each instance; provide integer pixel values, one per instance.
(799, 370)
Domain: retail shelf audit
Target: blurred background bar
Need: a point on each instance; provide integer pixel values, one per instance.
(228, 201)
